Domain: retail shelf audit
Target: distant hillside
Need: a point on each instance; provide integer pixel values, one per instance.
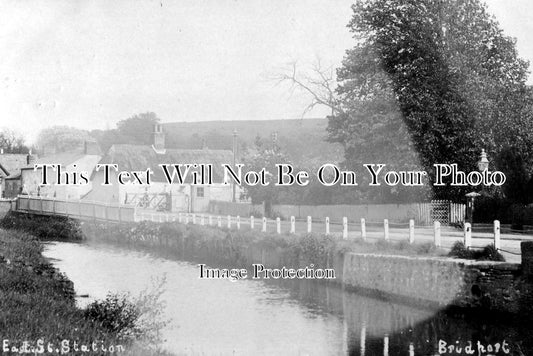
(304, 140)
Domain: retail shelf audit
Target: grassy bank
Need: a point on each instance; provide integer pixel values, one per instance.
(38, 309)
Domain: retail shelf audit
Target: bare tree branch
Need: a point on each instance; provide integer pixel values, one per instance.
(319, 83)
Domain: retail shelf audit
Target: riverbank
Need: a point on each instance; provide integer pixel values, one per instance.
(38, 308)
(418, 274)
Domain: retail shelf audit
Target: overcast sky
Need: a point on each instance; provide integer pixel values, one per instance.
(90, 64)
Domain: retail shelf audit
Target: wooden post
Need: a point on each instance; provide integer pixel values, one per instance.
(386, 346)
(251, 222)
(309, 224)
(41, 199)
(229, 221)
(186, 218)
(327, 225)
(468, 234)
(194, 219)
(219, 221)
(497, 242)
(436, 230)
(202, 220)
(363, 229)
(179, 217)
(210, 219)
(238, 222)
(386, 229)
(278, 225)
(345, 227)
(411, 231)
(293, 225)
(264, 228)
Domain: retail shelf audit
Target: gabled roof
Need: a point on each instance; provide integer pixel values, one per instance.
(140, 158)
(10, 163)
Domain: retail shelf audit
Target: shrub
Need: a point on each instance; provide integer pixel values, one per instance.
(489, 253)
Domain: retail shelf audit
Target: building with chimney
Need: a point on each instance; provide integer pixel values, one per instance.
(159, 194)
(65, 182)
(10, 172)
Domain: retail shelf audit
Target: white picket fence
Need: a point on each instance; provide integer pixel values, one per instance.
(343, 229)
(121, 213)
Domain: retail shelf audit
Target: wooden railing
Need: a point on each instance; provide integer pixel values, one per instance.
(79, 209)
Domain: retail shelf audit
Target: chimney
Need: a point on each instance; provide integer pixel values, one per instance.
(30, 159)
(159, 137)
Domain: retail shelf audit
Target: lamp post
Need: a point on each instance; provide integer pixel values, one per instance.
(233, 185)
(482, 165)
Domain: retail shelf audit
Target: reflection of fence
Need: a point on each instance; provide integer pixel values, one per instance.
(75, 209)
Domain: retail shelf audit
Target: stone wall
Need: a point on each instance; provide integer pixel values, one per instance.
(437, 281)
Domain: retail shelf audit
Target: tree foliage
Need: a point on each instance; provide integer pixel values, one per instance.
(60, 139)
(12, 142)
(436, 78)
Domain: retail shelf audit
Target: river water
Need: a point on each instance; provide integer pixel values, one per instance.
(247, 317)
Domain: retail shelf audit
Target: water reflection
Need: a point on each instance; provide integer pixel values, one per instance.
(246, 317)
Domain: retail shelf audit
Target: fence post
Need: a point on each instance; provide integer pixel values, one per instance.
(194, 219)
(436, 229)
(293, 225)
(219, 221)
(179, 218)
(411, 231)
(229, 221)
(264, 228)
(278, 225)
(202, 220)
(497, 242)
(345, 227)
(363, 229)
(251, 222)
(210, 220)
(186, 218)
(309, 224)
(238, 222)
(468, 234)
(386, 228)
(327, 225)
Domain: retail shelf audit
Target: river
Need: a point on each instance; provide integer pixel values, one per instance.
(248, 317)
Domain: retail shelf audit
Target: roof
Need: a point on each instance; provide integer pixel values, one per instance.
(12, 163)
(141, 157)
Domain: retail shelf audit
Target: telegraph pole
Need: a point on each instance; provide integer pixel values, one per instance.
(234, 148)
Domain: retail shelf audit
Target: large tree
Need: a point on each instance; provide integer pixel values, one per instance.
(12, 142)
(436, 76)
(139, 128)
(57, 139)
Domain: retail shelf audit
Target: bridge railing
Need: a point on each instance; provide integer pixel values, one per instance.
(79, 209)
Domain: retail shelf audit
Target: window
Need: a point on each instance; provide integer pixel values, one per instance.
(200, 192)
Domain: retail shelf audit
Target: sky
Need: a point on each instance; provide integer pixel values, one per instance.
(89, 64)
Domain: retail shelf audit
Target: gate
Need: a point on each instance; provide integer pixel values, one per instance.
(442, 211)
